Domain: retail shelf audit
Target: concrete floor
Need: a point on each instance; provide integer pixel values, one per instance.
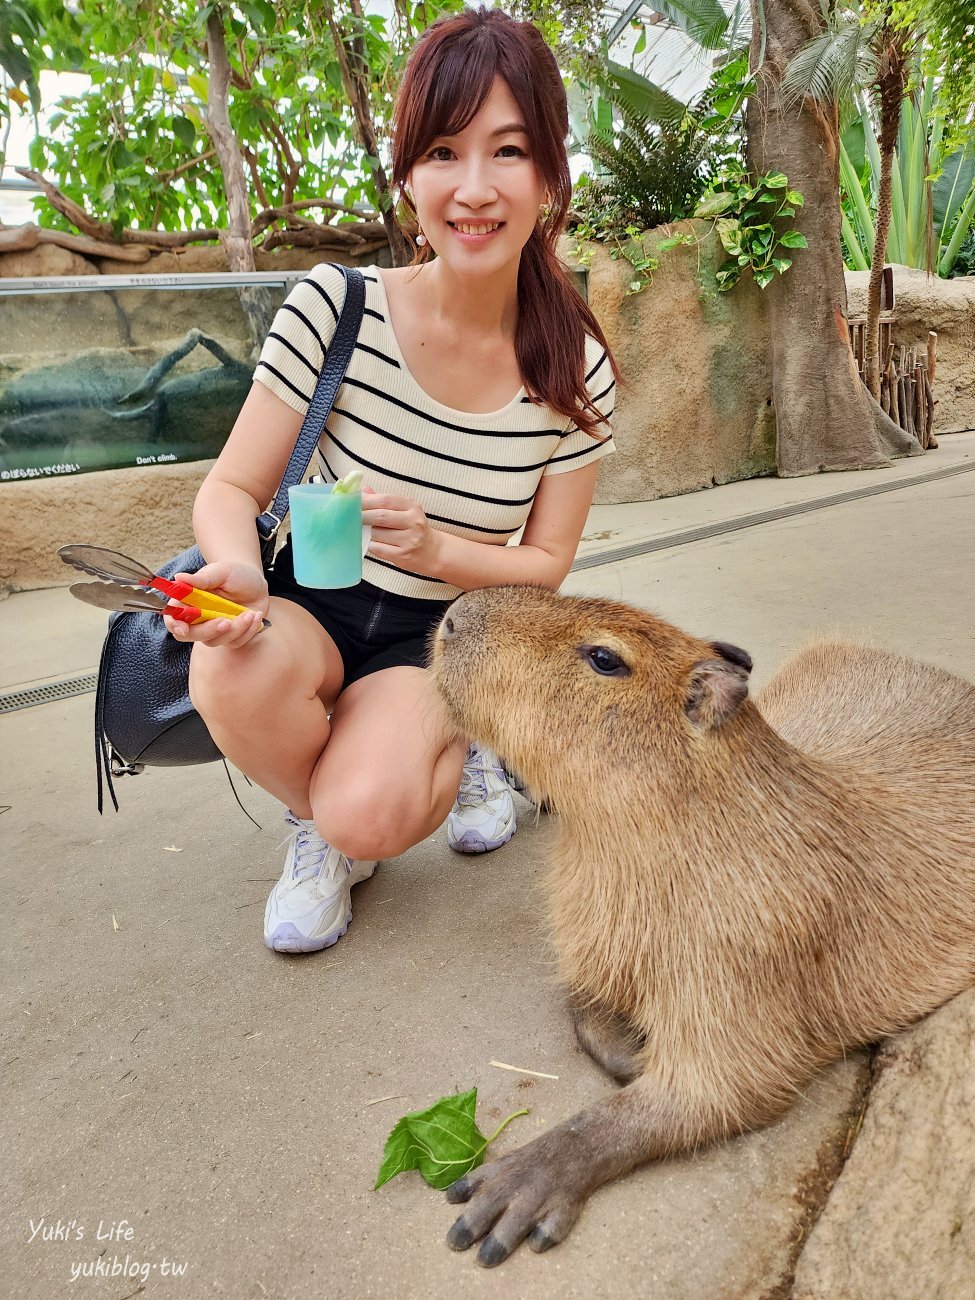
(162, 1070)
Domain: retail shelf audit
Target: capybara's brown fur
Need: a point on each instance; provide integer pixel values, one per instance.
(739, 890)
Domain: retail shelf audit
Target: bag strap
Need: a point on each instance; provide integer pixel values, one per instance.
(329, 382)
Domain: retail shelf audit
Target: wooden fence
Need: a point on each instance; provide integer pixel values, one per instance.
(906, 373)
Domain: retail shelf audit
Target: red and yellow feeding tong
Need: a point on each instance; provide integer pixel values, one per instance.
(142, 589)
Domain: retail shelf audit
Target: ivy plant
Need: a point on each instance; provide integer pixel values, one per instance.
(752, 217)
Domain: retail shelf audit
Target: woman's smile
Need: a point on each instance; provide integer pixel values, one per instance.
(475, 232)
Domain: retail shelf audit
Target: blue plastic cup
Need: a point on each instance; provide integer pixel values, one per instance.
(326, 536)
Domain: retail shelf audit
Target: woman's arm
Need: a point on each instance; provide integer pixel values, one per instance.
(245, 477)
(241, 483)
(403, 536)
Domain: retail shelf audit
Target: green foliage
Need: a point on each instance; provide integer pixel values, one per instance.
(704, 21)
(442, 1142)
(752, 221)
(965, 259)
(933, 206)
(832, 65)
(20, 38)
(947, 52)
(646, 175)
(134, 149)
(654, 158)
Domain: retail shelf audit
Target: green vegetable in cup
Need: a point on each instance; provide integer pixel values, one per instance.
(351, 483)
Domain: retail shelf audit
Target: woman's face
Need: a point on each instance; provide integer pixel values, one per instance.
(477, 194)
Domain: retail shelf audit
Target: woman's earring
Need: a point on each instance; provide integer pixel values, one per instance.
(421, 239)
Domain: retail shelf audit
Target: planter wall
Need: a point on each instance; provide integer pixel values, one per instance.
(695, 406)
(143, 512)
(50, 259)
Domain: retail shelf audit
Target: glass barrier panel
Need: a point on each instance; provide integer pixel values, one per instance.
(106, 372)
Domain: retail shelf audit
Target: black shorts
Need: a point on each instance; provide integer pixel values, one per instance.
(373, 629)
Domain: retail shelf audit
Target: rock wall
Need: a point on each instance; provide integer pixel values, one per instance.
(695, 407)
(50, 260)
(898, 1225)
(143, 512)
(922, 303)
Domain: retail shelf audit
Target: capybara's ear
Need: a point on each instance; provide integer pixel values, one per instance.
(715, 689)
(734, 654)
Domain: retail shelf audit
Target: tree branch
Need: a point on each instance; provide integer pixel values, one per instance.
(185, 166)
(357, 90)
(250, 157)
(289, 212)
(237, 240)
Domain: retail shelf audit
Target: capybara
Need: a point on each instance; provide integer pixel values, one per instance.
(739, 891)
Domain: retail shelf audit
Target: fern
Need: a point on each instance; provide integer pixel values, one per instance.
(649, 174)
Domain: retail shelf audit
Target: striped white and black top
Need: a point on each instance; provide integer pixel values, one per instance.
(474, 475)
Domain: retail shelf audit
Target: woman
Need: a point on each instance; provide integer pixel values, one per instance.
(477, 401)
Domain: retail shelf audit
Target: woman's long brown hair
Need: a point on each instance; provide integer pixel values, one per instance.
(448, 77)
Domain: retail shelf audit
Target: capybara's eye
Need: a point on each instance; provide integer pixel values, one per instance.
(605, 661)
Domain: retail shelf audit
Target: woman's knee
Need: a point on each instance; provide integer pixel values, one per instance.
(364, 819)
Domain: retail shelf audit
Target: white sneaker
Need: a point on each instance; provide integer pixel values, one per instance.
(483, 818)
(311, 906)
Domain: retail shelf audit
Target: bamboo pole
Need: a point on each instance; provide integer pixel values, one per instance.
(905, 407)
(932, 354)
(892, 386)
(920, 406)
(929, 400)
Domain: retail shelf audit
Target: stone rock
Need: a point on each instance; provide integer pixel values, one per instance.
(47, 259)
(695, 406)
(899, 1223)
(209, 259)
(922, 303)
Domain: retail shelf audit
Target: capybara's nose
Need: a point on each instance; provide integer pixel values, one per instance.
(452, 624)
(454, 621)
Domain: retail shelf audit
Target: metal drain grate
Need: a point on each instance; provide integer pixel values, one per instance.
(47, 693)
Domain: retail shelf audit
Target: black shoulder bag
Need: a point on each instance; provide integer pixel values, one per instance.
(143, 714)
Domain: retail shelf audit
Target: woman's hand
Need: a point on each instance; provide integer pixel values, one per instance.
(401, 533)
(235, 580)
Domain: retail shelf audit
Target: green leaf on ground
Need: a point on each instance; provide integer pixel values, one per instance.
(442, 1142)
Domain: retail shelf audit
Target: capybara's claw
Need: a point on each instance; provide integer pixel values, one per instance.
(459, 1192)
(531, 1194)
(460, 1236)
(492, 1252)
(541, 1239)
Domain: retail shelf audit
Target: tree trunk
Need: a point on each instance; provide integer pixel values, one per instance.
(871, 347)
(237, 241)
(356, 85)
(825, 417)
(893, 84)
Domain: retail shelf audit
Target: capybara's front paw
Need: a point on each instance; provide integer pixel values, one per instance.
(532, 1193)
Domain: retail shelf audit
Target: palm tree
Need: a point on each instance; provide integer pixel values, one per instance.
(869, 49)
